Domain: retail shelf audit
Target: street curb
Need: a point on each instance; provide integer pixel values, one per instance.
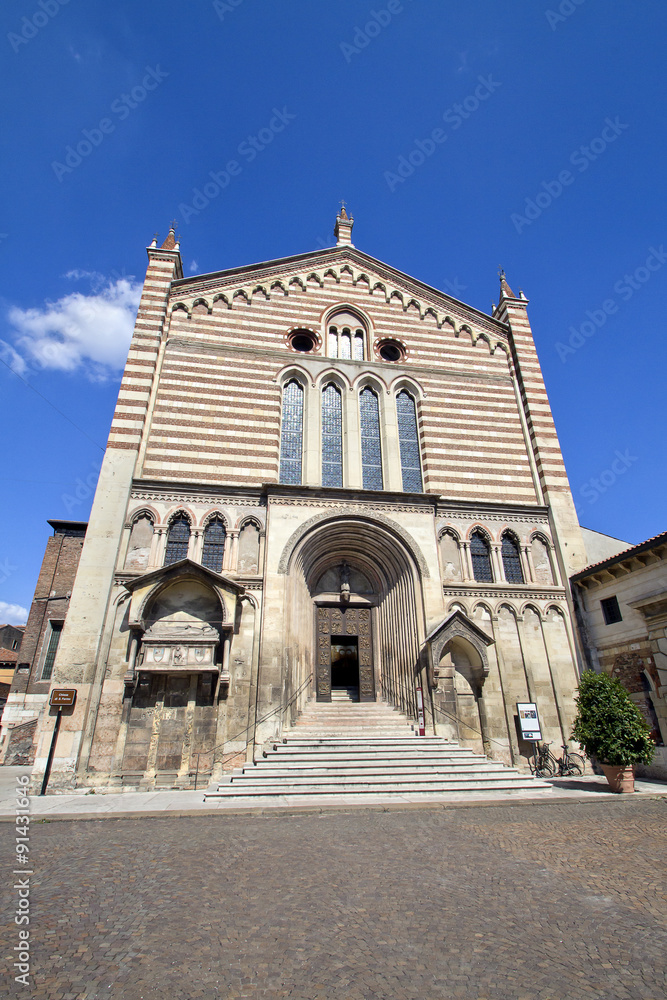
(333, 808)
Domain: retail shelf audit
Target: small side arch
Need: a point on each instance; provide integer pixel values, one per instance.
(333, 377)
(214, 515)
(409, 385)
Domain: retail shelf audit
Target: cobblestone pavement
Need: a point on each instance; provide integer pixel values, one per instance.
(561, 901)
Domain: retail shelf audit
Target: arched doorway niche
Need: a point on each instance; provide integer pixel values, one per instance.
(355, 568)
(460, 663)
(461, 673)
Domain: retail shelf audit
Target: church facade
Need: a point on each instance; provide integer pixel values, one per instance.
(321, 473)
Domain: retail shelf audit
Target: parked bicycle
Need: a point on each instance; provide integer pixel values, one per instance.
(544, 765)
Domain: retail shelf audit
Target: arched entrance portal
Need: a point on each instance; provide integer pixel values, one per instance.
(355, 610)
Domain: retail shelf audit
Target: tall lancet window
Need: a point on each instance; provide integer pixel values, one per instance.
(409, 443)
(511, 560)
(214, 545)
(371, 453)
(177, 540)
(359, 345)
(291, 434)
(481, 558)
(332, 437)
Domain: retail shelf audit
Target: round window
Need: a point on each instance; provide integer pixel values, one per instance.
(389, 350)
(302, 341)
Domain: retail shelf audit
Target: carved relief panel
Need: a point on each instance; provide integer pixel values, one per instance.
(341, 623)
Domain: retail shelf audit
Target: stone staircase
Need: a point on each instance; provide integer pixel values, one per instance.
(366, 751)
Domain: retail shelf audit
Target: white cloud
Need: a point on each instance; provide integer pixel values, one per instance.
(91, 333)
(193, 266)
(12, 614)
(12, 358)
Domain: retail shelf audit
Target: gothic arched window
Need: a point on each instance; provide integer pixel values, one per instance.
(481, 558)
(409, 443)
(214, 545)
(332, 436)
(511, 560)
(178, 539)
(291, 434)
(371, 452)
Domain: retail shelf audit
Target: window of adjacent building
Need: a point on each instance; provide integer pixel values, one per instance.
(611, 610)
(511, 560)
(409, 443)
(332, 436)
(371, 451)
(55, 631)
(178, 539)
(291, 434)
(480, 554)
(214, 545)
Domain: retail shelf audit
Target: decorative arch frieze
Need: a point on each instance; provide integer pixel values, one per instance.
(422, 304)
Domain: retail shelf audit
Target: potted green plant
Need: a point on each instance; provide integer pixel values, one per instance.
(611, 728)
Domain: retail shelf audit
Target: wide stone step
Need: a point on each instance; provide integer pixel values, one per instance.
(372, 742)
(364, 774)
(417, 759)
(288, 790)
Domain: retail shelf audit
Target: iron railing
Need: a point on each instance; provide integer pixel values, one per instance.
(253, 724)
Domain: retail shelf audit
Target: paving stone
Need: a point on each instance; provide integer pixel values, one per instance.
(531, 903)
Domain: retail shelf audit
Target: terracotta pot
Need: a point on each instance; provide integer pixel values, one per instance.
(621, 779)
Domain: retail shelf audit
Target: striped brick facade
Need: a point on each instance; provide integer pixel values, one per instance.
(196, 439)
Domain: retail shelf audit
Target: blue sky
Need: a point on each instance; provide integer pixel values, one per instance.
(529, 134)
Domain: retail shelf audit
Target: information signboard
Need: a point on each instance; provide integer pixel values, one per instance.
(529, 721)
(62, 697)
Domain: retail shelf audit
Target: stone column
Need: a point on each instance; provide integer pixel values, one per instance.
(311, 471)
(391, 450)
(466, 562)
(196, 544)
(352, 474)
(496, 562)
(528, 562)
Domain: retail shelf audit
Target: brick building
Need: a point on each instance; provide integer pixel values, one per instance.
(621, 605)
(321, 473)
(10, 640)
(31, 682)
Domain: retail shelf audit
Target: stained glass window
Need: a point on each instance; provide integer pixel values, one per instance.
(359, 345)
(409, 443)
(481, 558)
(332, 437)
(511, 560)
(177, 540)
(345, 345)
(52, 649)
(214, 545)
(291, 434)
(371, 454)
